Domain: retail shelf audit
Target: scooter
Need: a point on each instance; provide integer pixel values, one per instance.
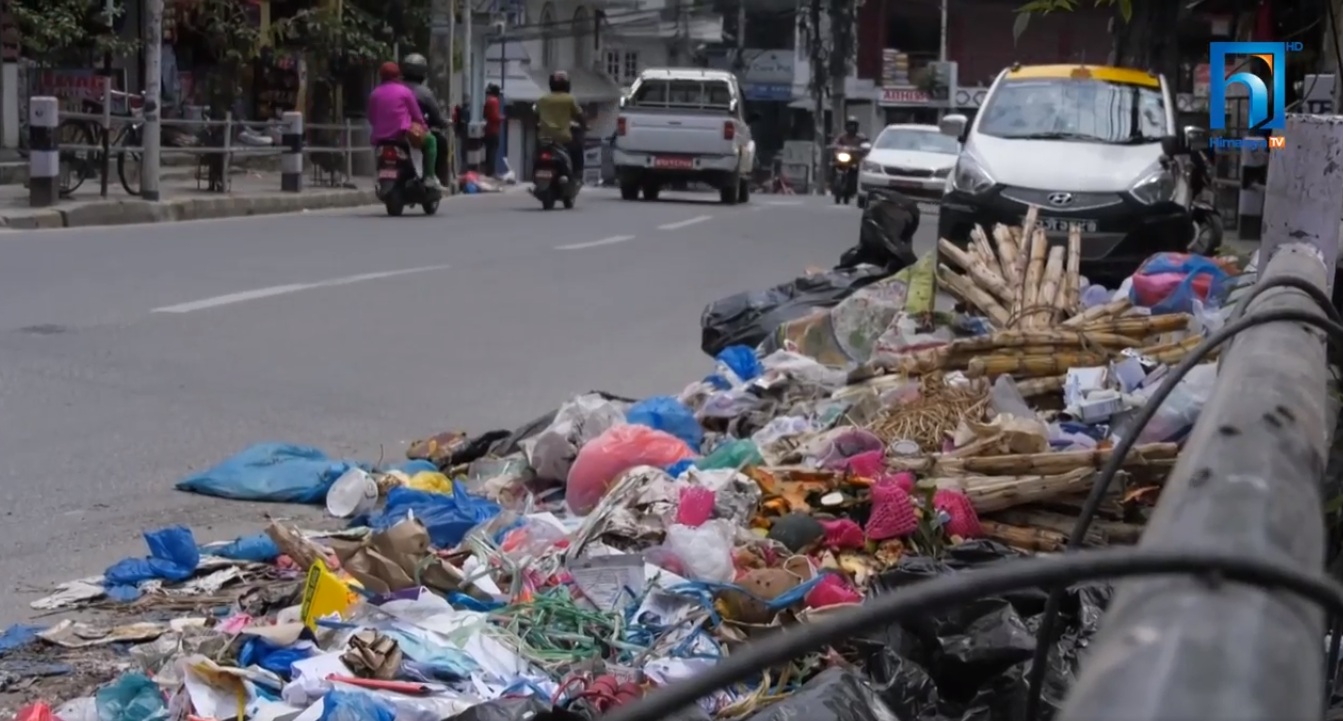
(553, 178)
(844, 175)
(398, 183)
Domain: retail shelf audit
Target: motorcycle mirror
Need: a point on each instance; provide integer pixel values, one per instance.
(865, 146)
(1173, 145)
(1194, 136)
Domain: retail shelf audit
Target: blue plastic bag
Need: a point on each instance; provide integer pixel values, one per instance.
(666, 414)
(132, 697)
(278, 472)
(447, 517)
(1200, 278)
(257, 548)
(257, 651)
(18, 636)
(355, 706)
(742, 361)
(172, 557)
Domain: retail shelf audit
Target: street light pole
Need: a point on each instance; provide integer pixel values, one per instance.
(149, 164)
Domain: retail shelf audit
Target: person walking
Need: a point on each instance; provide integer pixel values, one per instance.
(494, 124)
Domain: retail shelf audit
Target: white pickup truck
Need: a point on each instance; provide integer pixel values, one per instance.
(684, 124)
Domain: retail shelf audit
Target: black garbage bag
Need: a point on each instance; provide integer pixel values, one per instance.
(971, 661)
(749, 318)
(832, 695)
(886, 234)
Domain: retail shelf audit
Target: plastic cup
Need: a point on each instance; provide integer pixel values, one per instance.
(354, 493)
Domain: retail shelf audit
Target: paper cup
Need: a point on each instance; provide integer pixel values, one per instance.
(354, 493)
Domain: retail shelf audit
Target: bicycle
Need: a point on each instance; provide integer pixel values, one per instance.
(81, 164)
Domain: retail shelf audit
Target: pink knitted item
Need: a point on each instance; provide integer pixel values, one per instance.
(964, 521)
(892, 513)
(903, 479)
(831, 590)
(869, 464)
(843, 534)
(695, 507)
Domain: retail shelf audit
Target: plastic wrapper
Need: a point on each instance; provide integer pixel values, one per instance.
(749, 318)
(132, 697)
(1181, 410)
(705, 551)
(619, 449)
(258, 548)
(551, 453)
(970, 662)
(832, 695)
(277, 472)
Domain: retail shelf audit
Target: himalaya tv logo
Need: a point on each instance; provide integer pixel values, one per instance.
(1262, 69)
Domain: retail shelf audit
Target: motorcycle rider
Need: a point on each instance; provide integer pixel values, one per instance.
(392, 110)
(414, 71)
(557, 111)
(852, 137)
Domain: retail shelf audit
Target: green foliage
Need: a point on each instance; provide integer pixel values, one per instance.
(56, 32)
(1044, 7)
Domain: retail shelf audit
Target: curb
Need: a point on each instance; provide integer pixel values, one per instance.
(129, 212)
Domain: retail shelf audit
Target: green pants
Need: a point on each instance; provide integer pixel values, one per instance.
(430, 155)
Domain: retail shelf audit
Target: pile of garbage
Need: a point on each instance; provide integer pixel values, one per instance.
(873, 433)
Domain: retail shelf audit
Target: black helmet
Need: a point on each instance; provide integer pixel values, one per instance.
(850, 124)
(415, 68)
(559, 82)
(493, 89)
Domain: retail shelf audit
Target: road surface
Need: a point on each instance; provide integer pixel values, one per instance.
(132, 356)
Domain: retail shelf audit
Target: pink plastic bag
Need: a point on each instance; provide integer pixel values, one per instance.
(696, 506)
(601, 460)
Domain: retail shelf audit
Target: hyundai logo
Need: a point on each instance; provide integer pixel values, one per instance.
(1060, 198)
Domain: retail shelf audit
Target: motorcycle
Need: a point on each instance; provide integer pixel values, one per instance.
(844, 173)
(1208, 230)
(398, 183)
(553, 178)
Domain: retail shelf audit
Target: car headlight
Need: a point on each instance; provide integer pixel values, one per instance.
(843, 157)
(1157, 186)
(969, 177)
(870, 167)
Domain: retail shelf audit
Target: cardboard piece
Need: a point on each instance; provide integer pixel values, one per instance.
(387, 561)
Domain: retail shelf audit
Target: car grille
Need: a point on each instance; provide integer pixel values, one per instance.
(1080, 201)
(908, 172)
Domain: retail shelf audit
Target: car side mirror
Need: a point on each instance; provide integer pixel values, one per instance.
(953, 125)
(1194, 136)
(1174, 145)
(623, 100)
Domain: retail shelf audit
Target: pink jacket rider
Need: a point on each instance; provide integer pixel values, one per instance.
(392, 106)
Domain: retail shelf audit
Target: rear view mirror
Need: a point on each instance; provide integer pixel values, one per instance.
(953, 125)
(1173, 145)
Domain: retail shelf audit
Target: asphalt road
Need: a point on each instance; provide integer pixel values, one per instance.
(132, 356)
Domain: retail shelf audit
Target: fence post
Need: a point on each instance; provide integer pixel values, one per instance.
(348, 134)
(44, 152)
(1248, 484)
(291, 161)
(226, 163)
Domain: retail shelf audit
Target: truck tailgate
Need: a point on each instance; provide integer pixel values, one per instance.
(681, 134)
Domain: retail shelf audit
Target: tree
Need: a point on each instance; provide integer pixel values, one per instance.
(1144, 39)
(68, 32)
(231, 39)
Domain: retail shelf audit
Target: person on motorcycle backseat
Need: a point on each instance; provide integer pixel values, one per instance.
(556, 112)
(851, 138)
(392, 110)
(414, 70)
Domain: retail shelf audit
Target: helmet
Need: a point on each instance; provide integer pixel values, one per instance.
(559, 82)
(851, 124)
(493, 89)
(389, 71)
(415, 68)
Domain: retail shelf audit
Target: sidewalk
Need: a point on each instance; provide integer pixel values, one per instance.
(252, 193)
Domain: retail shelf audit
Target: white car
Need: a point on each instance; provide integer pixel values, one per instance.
(913, 159)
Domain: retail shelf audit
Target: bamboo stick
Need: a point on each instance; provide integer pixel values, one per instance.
(995, 493)
(1032, 366)
(1140, 326)
(973, 294)
(1049, 289)
(1036, 464)
(1038, 540)
(1040, 337)
(1030, 287)
(981, 241)
(1070, 295)
(1098, 312)
(978, 270)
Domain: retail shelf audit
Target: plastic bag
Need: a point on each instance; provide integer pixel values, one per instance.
(1181, 410)
(552, 451)
(1170, 282)
(132, 697)
(277, 472)
(749, 318)
(835, 694)
(446, 517)
(665, 413)
(258, 548)
(705, 551)
(430, 482)
(615, 451)
(257, 651)
(738, 363)
(353, 706)
(35, 712)
(173, 556)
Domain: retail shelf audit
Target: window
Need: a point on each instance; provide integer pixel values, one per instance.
(684, 92)
(613, 58)
(1075, 109)
(582, 38)
(549, 43)
(630, 69)
(927, 141)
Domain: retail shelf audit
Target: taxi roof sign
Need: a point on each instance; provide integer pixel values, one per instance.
(1123, 76)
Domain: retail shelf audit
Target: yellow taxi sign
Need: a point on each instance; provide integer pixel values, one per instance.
(1124, 76)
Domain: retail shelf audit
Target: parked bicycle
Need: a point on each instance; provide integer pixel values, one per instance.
(81, 163)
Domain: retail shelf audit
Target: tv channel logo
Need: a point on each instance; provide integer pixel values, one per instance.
(1262, 68)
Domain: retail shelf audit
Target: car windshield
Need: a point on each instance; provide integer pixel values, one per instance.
(1075, 109)
(927, 141)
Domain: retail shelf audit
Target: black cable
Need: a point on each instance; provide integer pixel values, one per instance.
(936, 594)
(1119, 453)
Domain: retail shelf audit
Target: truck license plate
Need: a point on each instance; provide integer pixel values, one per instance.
(388, 174)
(672, 162)
(1062, 225)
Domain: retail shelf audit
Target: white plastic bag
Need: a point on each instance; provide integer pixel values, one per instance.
(552, 451)
(705, 552)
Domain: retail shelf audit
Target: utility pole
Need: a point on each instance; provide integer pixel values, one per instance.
(816, 49)
(739, 63)
(841, 28)
(149, 163)
(441, 32)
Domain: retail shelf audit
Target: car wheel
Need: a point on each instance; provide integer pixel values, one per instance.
(728, 193)
(744, 193)
(629, 191)
(651, 192)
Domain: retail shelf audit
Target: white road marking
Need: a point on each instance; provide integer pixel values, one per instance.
(684, 223)
(595, 243)
(259, 293)
(782, 203)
